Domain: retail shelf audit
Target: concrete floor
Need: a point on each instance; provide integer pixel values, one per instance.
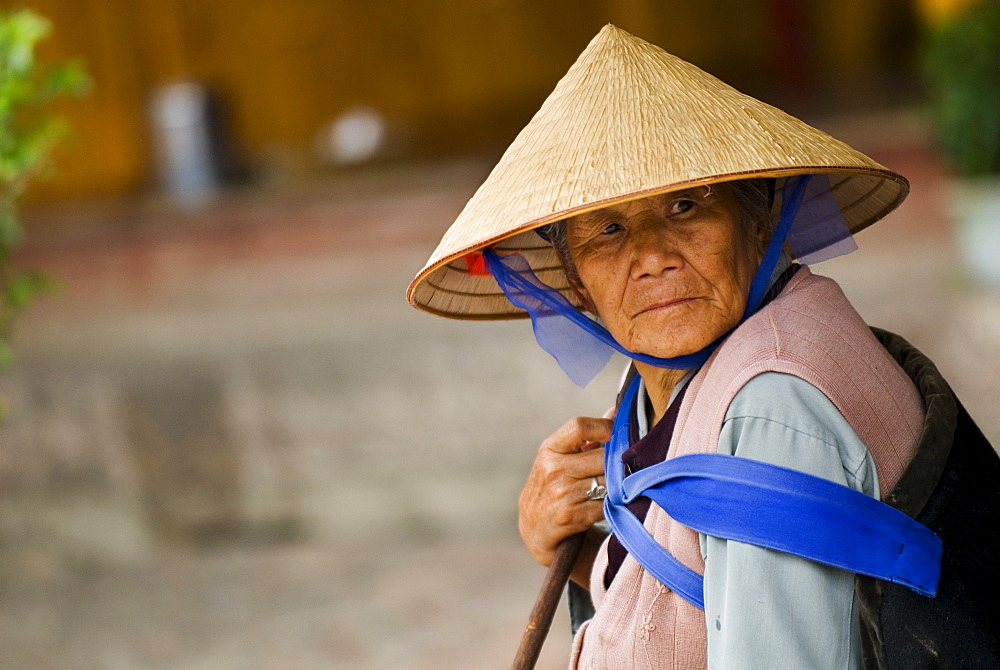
(360, 512)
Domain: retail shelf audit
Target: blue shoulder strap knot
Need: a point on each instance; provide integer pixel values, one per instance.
(768, 506)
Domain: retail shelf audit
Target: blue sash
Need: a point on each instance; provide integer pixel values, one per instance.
(767, 506)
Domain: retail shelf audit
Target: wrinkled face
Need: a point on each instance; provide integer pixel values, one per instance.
(668, 274)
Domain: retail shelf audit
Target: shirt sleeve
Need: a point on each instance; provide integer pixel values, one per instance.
(764, 608)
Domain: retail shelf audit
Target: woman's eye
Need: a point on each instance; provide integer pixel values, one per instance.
(612, 228)
(681, 206)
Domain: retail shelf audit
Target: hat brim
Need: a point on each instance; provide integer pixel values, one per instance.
(450, 287)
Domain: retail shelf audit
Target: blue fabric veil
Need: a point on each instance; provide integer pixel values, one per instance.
(810, 221)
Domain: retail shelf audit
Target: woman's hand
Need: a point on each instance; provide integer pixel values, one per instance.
(554, 504)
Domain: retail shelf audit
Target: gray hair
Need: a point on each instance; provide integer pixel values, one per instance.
(754, 197)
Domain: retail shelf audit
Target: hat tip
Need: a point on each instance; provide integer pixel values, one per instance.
(612, 34)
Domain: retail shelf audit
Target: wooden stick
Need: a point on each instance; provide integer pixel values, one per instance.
(547, 601)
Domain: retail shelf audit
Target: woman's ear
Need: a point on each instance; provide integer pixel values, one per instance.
(581, 292)
(764, 234)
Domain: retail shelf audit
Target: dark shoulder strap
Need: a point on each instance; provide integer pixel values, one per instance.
(922, 474)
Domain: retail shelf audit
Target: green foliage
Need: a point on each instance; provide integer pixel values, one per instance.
(28, 133)
(961, 63)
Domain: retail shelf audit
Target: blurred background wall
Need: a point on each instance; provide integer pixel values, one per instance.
(457, 76)
(231, 444)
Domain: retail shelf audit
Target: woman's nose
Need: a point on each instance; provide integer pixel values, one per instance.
(652, 252)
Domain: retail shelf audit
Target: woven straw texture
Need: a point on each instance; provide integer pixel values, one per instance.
(627, 121)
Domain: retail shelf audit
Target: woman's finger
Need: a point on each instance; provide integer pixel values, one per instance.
(582, 466)
(578, 434)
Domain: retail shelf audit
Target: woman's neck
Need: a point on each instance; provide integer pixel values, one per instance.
(660, 383)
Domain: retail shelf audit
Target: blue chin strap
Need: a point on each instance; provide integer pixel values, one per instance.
(580, 345)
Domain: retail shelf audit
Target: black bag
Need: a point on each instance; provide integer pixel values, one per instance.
(952, 486)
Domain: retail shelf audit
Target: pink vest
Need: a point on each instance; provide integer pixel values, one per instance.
(810, 331)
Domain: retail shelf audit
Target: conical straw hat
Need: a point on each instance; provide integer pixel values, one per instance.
(628, 121)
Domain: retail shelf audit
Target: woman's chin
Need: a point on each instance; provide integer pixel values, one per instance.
(671, 340)
(674, 349)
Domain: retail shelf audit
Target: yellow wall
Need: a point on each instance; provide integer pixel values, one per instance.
(462, 73)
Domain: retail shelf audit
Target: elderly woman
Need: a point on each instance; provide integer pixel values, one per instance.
(669, 275)
(670, 207)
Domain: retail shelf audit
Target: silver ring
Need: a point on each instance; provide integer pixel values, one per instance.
(597, 491)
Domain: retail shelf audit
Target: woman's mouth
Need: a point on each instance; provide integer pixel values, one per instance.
(664, 305)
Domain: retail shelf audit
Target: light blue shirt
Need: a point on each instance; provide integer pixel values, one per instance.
(767, 609)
